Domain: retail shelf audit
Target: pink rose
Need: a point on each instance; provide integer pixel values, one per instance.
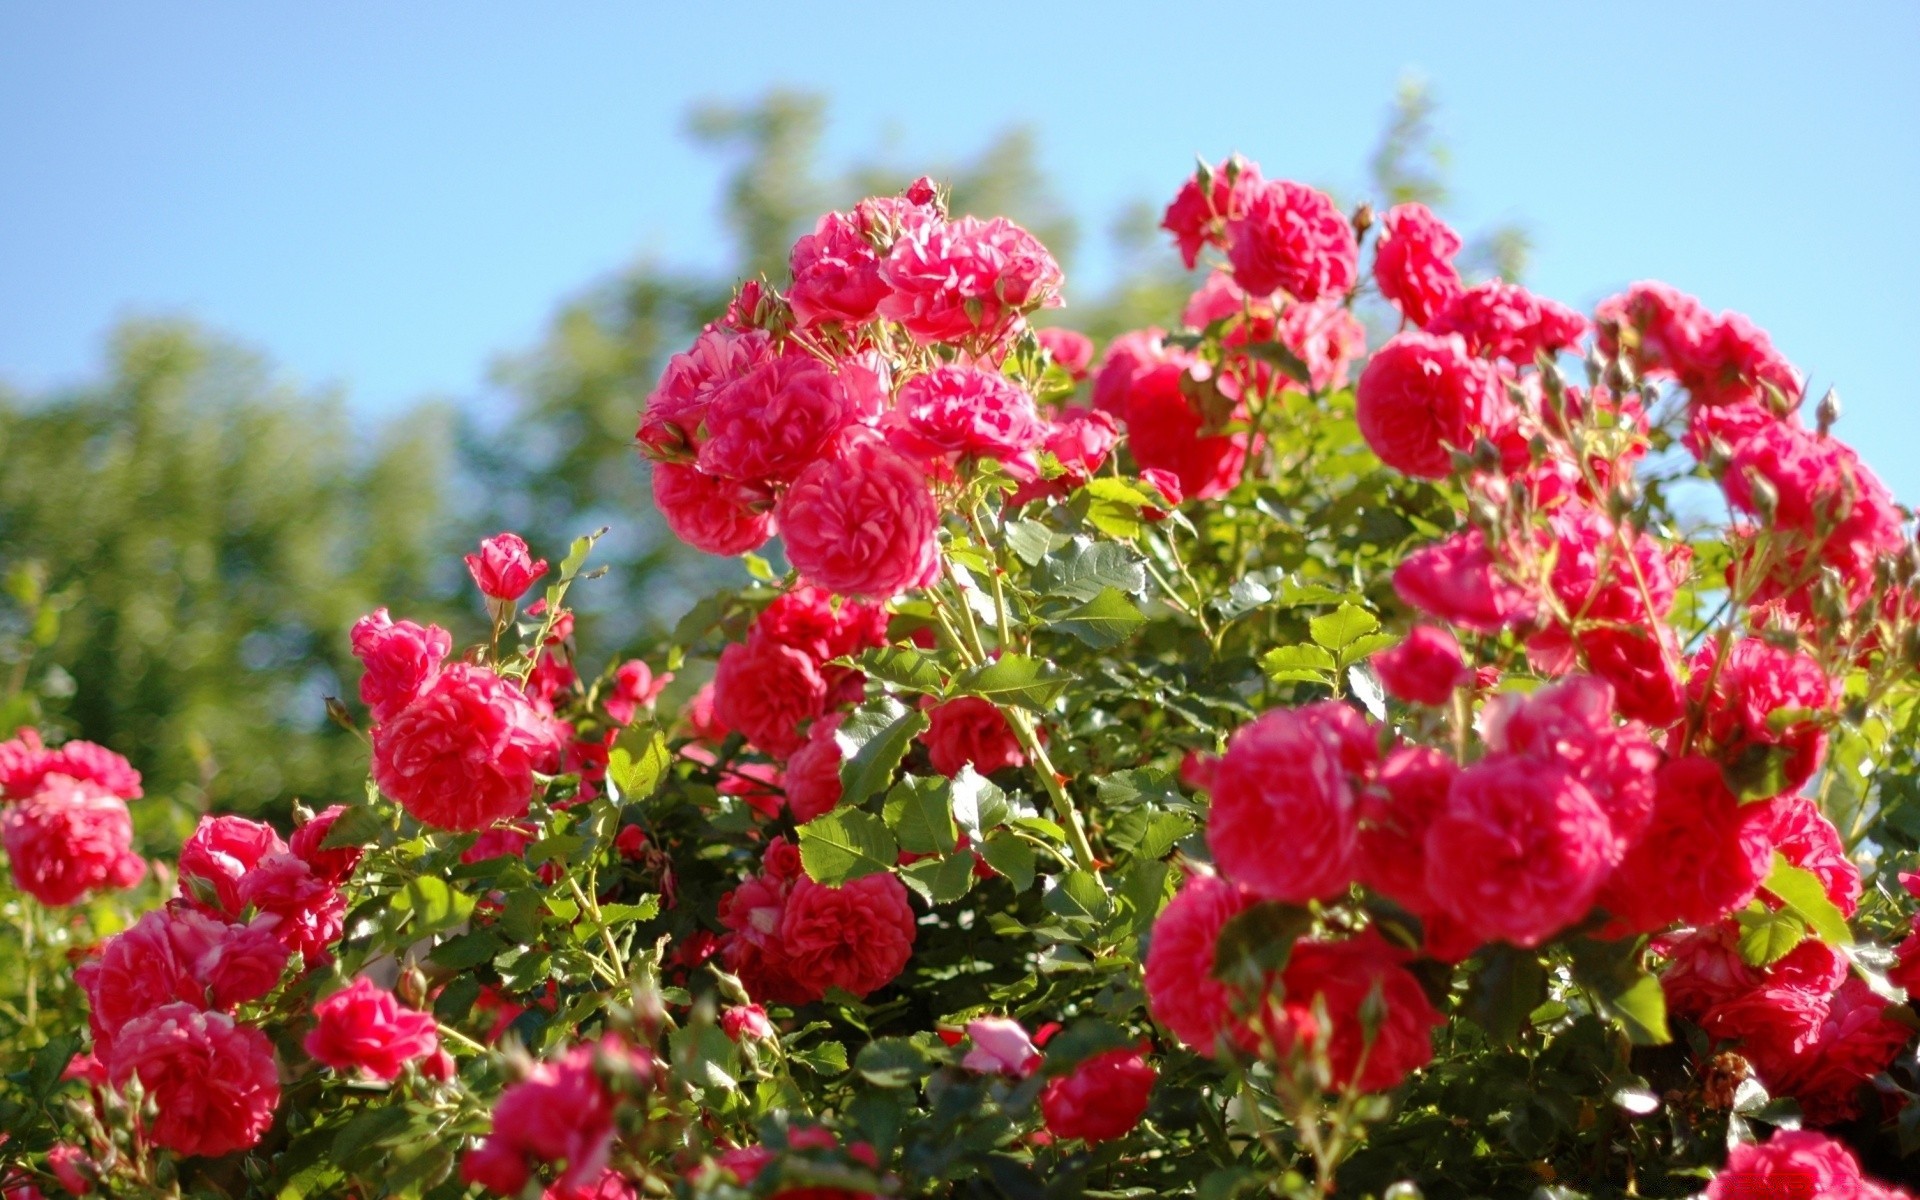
(1407, 793)
(213, 1082)
(69, 839)
(1069, 349)
(1413, 262)
(746, 1021)
(1425, 668)
(1793, 1165)
(1289, 237)
(1806, 837)
(1284, 821)
(836, 273)
(400, 660)
(1456, 581)
(1339, 979)
(1539, 846)
(463, 755)
(808, 619)
(768, 692)
(1000, 1047)
(25, 763)
(1703, 856)
(676, 409)
(967, 412)
(1182, 993)
(958, 280)
(718, 516)
(856, 937)
(307, 910)
(1570, 724)
(861, 523)
(1165, 432)
(308, 842)
(969, 730)
(1506, 321)
(1756, 681)
(363, 1027)
(178, 954)
(563, 1112)
(813, 773)
(771, 423)
(1198, 214)
(1101, 1099)
(503, 569)
(1423, 397)
(218, 856)
(635, 686)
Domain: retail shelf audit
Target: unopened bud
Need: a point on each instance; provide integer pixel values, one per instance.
(1596, 365)
(1718, 458)
(338, 714)
(1462, 462)
(1618, 376)
(411, 987)
(1486, 456)
(1538, 447)
(1828, 412)
(1363, 218)
(1765, 497)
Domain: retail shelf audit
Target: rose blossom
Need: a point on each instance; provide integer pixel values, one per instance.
(746, 1021)
(1287, 236)
(1806, 838)
(965, 411)
(719, 516)
(1284, 821)
(970, 730)
(1570, 724)
(173, 954)
(1423, 397)
(677, 407)
(1456, 581)
(856, 937)
(1000, 1047)
(1339, 979)
(363, 1027)
(861, 522)
(768, 692)
(1413, 262)
(746, 1163)
(1198, 214)
(1792, 1165)
(463, 755)
(218, 855)
(1755, 681)
(1070, 350)
(309, 841)
(1182, 993)
(807, 619)
(213, 1082)
(1504, 320)
(812, 777)
(1703, 855)
(1165, 432)
(1425, 668)
(503, 569)
(308, 911)
(771, 423)
(836, 273)
(25, 763)
(1409, 790)
(68, 839)
(954, 280)
(561, 1112)
(1519, 850)
(635, 686)
(400, 659)
(1101, 1099)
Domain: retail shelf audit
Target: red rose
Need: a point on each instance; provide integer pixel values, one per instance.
(768, 692)
(218, 856)
(1413, 262)
(1807, 839)
(1339, 979)
(307, 843)
(503, 569)
(1423, 397)
(836, 273)
(308, 912)
(1792, 1165)
(1284, 821)
(562, 1112)
(1519, 850)
(1164, 431)
(1456, 581)
(25, 763)
(718, 516)
(1703, 855)
(1069, 349)
(363, 1027)
(1407, 793)
(1198, 214)
(677, 407)
(400, 660)
(856, 937)
(1288, 237)
(1101, 1099)
(1756, 681)
(950, 281)
(771, 423)
(1571, 724)
(970, 730)
(68, 839)
(965, 411)
(213, 1082)
(813, 773)
(861, 522)
(1182, 993)
(1425, 668)
(746, 1021)
(462, 756)
(1504, 320)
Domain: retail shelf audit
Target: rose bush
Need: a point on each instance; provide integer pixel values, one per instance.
(1169, 771)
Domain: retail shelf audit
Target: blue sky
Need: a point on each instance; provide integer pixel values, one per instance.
(385, 197)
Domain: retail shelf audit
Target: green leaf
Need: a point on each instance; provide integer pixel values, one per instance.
(1342, 627)
(940, 880)
(1246, 594)
(1758, 772)
(1615, 973)
(1363, 646)
(1078, 895)
(1081, 568)
(1016, 679)
(872, 742)
(917, 811)
(891, 1062)
(1029, 540)
(1010, 856)
(1255, 945)
(1104, 621)
(620, 914)
(357, 826)
(1509, 985)
(435, 906)
(1768, 935)
(1280, 356)
(1807, 898)
(1642, 1011)
(844, 844)
(823, 1058)
(906, 668)
(1305, 662)
(1164, 831)
(636, 777)
(467, 951)
(978, 805)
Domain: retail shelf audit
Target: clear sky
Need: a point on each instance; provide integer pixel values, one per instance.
(385, 196)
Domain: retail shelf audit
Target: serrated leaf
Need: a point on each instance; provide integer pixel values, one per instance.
(1081, 568)
(1016, 679)
(620, 914)
(1768, 935)
(435, 906)
(978, 804)
(918, 812)
(823, 1058)
(1104, 621)
(940, 880)
(638, 776)
(872, 742)
(1803, 892)
(904, 667)
(358, 825)
(1029, 540)
(1011, 857)
(1365, 645)
(467, 951)
(1342, 627)
(1304, 662)
(845, 844)
(891, 1062)
(1642, 1011)
(1246, 594)
(1078, 895)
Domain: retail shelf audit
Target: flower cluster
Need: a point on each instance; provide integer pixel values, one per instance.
(64, 819)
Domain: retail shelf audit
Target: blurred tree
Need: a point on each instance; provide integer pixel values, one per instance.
(210, 536)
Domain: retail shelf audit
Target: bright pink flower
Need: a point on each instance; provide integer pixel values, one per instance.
(218, 856)
(771, 423)
(178, 954)
(213, 1082)
(768, 692)
(1167, 484)
(856, 937)
(1323, 335)
(308, 842)
(1070, 350)
(1341, 978)
(364, 1027)
(69, 839)
(1704, 969)
(1127, 358)
(631, 842)
(1182, 993)
(1703, 856)
(746, 1163)
(1165, 431)
(1408, 792)
(1101, 1099)
(1807, 839)
(676, 409)
(1506, 321)
(957, 280)
(1857, 1038)
(965, 411)
(1413, 262)
(836, 273)
(861, 523)
(1425, 668)
(1761, 701)
(1198, 214)
(809, 620)
(1719, 360)
(970, 730)
(400, 658)
(635, 686)
(746, 1021)
(1288, 237)
(1284, 821)
(1539, 845)
(1793, 1165)
(1571, 724)
(25, 763)
(308, 911)
(1456, 581)
(503, 569)
(66, 1162)
(463, 755)
(1423, 397)
(718, 516)
(813, 773)
(1000, 1047)
(752, 947)
(561, 1113)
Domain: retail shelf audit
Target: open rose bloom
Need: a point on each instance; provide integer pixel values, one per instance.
(1317, 744)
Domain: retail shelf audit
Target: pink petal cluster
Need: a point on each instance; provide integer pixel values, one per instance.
(1288, 237)
(364, 1027)
(503, 569)
(560, 1118)
(68, 839)
(1101, 1099)
(1422, 397)
(212, 1081)
(791, 940)
(1413, 262)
